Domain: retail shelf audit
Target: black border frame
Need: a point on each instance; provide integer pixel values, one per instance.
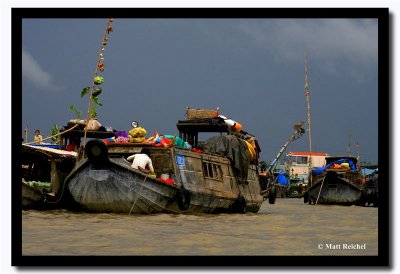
(384, 85)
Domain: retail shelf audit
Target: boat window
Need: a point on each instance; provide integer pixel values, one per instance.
(205, 170)
(299, 159)
(211, 170)
(217, 171)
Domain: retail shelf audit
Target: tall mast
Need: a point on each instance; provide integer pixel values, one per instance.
(26, 134)
(349, 145)
(358, 152)
(308, 112)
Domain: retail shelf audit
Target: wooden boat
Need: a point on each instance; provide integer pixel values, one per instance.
(219, 178)
(43, 172)
(339, 182)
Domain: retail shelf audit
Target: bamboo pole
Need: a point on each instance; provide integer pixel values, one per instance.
(308, 115)
(99, 61)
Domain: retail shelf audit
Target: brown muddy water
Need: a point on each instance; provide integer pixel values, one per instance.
(289, 227)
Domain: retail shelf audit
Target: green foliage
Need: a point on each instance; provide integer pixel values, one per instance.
(56, 130)
(93, 112)
(97, 92)
(98, 80)
(78, 113)
(96, 101)
(85, 91)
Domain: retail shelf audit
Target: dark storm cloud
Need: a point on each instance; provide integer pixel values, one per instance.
(328, 40)
(252, 69)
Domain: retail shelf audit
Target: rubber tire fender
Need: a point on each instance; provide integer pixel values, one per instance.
(272, 195)
(97, 152)
(183, 199)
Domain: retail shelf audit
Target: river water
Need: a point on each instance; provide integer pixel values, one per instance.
(289, 227)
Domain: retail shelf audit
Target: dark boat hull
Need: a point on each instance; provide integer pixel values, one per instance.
(118, 188)
(332, 189)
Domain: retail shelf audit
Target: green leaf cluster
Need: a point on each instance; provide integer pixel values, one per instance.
(77, 112)
(54, 131)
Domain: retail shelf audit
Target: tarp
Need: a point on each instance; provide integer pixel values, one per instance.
(281, 179)
(232, 147)
(322, 169)
(368, 171)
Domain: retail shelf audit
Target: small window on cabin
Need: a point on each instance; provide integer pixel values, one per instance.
(303, 160)
(210, 171)
(213, 171)
(217, 171)
(205, 170)
(221, 174)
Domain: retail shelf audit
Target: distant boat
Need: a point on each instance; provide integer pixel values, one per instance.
(216, 175)
(298, 163)
(339, 182)
(43, 171)
(282, 183)
(372, 186)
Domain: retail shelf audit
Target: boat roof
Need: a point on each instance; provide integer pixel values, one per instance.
(49, 152)
(301, 153)
(89, 134)
(216, 124)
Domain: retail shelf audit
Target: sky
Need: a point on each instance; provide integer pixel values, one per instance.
(251, 69)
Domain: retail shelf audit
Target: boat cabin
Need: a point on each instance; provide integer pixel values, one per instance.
(189, 129)
(298, 163)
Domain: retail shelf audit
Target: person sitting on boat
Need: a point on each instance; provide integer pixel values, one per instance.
(140, 161)
(38, 138)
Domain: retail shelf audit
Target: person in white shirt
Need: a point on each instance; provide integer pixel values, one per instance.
(141, 160)
(38, 138)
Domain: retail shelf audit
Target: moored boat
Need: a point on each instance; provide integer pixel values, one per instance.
(212, 176)
(339, 182)
(43, 171)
